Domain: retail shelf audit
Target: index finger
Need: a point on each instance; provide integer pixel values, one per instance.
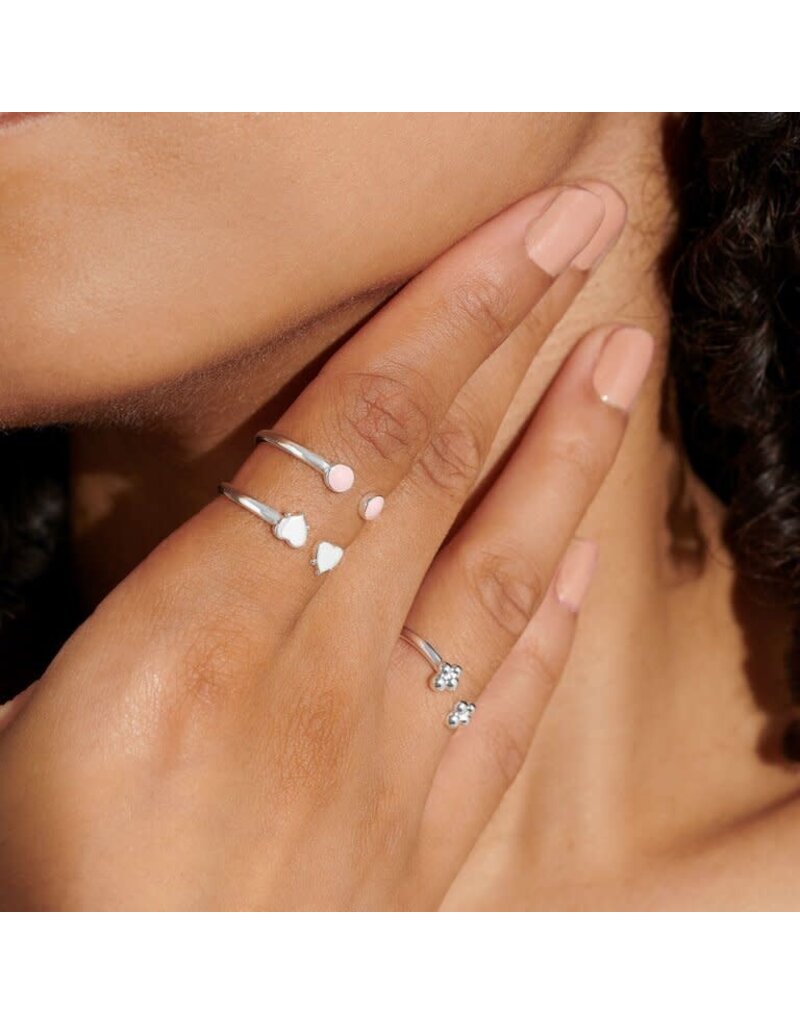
(378, 401)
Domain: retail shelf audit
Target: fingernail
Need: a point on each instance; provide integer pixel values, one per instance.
(575, 573)
(622, 366)
(565, 228)
(616, 212)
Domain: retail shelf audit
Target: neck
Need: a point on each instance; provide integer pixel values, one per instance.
(665, 725)
(649, 704)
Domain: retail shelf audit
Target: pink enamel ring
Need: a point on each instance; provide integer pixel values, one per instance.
(370, 506)
(337, 476)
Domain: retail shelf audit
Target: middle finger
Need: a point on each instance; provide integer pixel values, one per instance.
(379, 401)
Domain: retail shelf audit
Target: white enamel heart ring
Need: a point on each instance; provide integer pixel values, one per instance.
(290, 527)
(326, 557)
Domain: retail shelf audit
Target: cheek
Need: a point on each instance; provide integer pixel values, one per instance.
(132, 251)
(135, 248)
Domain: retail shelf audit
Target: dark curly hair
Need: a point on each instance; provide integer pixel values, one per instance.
(735, 347)
(734, 274)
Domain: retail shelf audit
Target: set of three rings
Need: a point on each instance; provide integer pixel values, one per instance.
(291, 527)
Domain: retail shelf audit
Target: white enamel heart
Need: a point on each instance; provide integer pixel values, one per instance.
(293, 529)
(326, 556)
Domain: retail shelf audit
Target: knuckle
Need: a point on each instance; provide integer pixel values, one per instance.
(316, 743)
(482, 304)
(383, 822)
(505, 750)
(506, 589)
(387, 413)
(210, 668)
(453, 459)
(576, 455)
(538, 664)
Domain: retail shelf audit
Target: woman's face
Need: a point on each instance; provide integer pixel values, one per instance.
(136, 248)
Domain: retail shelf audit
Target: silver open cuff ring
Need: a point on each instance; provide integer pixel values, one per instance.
(461, 714)
(290, 527)
(337, 476)
(445, 675)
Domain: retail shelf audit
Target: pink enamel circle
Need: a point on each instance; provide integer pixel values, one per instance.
(340, 478)
(372, 507)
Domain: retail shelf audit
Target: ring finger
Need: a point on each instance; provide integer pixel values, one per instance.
(485, 585)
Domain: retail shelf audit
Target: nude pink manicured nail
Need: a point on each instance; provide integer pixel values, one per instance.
(575, 573)
(616, 212)
(565, 228)
(622, 366)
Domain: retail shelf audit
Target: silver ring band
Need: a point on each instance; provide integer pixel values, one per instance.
(446, 675)
(337, 476)
(290, 527)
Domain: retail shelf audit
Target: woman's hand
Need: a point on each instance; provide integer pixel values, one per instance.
(230, 730)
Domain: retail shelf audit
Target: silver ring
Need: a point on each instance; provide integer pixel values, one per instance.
(290, 527)
(446, 675)
(337, 476)
(461, 714)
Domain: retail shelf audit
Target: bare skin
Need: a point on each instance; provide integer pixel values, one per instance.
(644, 787)
(230, 731)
